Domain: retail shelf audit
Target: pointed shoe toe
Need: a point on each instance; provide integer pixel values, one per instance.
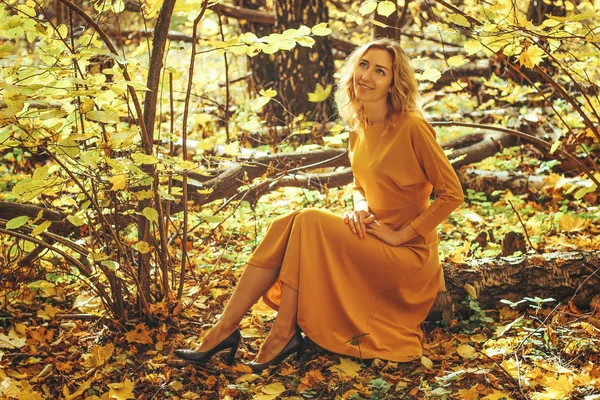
(295, 345)
(231, 342)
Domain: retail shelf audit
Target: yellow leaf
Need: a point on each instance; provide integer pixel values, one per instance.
(555, 146)
(41, 228)
(79, 391)
(140, 334)
(270, 93)
(151, 214)
(320, 94)
(305, 41)
(118, 182)
(560, 388)
(457, 61)
(346, 368)
(459, 20)
(312, 378)
(273, 388)
(466, 351)
(568, 223)
(472, 47)
(427, 363)
(497, 395)
(48, 312)
(265, 396)
(98, 355)
(121, 391)
(386, 8)
(471, 394)
(321, 29)
(368, 7)
(470, 290)
(531, 57)
(429, 75)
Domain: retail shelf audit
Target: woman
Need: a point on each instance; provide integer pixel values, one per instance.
(361, 284)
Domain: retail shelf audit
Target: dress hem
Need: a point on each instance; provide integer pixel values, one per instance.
(366, 355)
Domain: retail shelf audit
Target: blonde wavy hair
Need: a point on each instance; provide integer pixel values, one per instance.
(404, 95)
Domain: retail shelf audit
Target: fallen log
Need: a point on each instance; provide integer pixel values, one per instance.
(565, 277)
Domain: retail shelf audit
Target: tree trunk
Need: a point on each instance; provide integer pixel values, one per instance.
(569, 276)
(156, 66)
(301, 69)
(392, 28)
(538, 9)
(264, 70)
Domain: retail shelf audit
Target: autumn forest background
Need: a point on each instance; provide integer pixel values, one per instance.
(146, 145)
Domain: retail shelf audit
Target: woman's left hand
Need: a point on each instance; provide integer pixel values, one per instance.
(383, 232)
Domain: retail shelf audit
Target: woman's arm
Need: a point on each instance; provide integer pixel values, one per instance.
(440, 173)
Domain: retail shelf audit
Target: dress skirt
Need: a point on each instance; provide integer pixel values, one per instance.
(358, 297)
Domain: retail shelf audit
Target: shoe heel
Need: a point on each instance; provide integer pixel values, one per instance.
(299, 352)
(231, 357)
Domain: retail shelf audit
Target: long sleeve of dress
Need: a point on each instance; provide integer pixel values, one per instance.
(440, 173)
(359, 192)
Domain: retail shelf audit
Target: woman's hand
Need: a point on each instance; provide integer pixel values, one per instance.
(383, 232)
(358, 220)
(390, 236)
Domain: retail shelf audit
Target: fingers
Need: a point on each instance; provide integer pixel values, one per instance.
(354, 223)
(369, 219)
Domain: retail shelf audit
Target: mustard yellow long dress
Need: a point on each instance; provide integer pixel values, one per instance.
(362, 297)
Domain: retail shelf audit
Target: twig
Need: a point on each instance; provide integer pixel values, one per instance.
(522, 225)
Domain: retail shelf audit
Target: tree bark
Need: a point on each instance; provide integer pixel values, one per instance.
(302, 68)
(262, 66)
(569, 276)
(156, 66)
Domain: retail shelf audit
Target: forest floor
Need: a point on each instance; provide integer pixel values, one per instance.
(56, 343)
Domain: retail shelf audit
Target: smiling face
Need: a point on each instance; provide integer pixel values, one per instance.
(373, 77)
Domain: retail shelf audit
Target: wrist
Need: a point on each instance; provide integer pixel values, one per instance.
(361, 205)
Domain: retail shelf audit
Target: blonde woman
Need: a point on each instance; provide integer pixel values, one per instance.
(359, 284)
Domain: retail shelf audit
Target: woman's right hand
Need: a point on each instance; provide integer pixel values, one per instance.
(358, 220)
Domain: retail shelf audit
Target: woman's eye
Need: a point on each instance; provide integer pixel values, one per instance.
(380, 71)
(363, 64)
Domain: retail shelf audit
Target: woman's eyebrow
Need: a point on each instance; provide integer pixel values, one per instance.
(377, 65)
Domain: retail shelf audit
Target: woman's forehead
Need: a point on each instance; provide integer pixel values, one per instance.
(378, 56)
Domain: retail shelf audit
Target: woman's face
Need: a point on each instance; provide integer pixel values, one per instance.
(373, 76)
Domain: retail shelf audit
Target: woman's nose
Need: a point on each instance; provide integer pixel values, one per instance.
(367, 75)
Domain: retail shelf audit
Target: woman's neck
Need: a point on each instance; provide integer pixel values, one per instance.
(375, 113)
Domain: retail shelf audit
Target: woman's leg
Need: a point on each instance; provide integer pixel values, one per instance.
(284, 327)
(254, 283)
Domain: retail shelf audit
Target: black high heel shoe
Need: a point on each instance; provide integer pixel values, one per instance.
(202, 357)
(295, 345)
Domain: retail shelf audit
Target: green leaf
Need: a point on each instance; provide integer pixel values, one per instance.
(386, 8)
(151, 214)
(367, 7)
(17, 222)
(555, 146)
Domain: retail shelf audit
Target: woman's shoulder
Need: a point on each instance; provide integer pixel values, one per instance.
(412, 123)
